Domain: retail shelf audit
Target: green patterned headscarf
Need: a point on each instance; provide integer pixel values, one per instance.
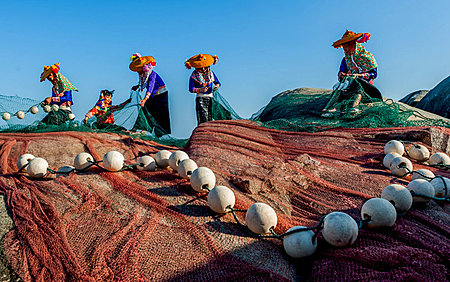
(64, 84)
(360, 61)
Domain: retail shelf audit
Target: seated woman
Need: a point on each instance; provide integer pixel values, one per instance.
(359, 65)
(103, 110)
(61, 95)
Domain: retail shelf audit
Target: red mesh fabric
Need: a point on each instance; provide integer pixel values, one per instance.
(139, 226)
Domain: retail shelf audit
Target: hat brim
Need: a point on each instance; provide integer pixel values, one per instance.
(139, 63)
(45, 74)
(347, 39)
(201, 62)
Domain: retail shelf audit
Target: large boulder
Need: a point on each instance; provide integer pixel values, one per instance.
(414, 98)
(438, 99)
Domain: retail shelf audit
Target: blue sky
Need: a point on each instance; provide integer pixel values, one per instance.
(264, 47)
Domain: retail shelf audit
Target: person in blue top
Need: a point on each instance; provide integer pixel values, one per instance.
(156, 99)
(203, 82)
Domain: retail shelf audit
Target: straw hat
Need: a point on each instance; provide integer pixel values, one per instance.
(138, 62)
(48, 69)
(201, 61)
(351, 36)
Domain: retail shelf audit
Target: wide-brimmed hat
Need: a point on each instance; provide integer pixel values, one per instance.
(201, 61)
(138, 62)
(48, 69)
(351, 36)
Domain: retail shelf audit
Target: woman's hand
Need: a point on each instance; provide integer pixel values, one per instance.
(142, 102)
(216, 87)
(341, 75)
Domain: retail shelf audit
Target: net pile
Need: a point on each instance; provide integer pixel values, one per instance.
(140, 226)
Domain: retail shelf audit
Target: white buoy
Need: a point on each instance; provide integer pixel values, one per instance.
(439, 187)
(6, 116)
(83, 160)
(37, 168)
(401, 166)
(186, 168)
(146, 163)
(71, 116)
(339, 229)
(113, 161)
(46, 108)
(380, 213)
(300, 244)
(394, 146)
(418, 174)
(55, 107)
(34, 110)
(63, 108)
(399, 196)
(23, 160)
(65, 169)
(260, 218)
(422, 187)
(220, 199)
(439, 159)
(162, 158)
(20, 115)
(203, 179)
(388, 159)
(176, 158)
(419, 153)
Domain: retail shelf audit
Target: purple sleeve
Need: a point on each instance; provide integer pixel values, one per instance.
(343, 68)
(151, 83)
(216, 80)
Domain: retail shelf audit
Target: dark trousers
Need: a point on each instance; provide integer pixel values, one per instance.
(158, 107)
(203, 107)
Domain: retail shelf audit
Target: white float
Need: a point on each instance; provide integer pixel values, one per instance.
(399, 196)
(394, 146)
(260, 218)
(55, 107)
(71, 116)
(113, 161)
(146, 163)
(186, 168)
(380, 212)
(419, 153)
(439, 158)
(428, 174)
(203, 179)
(37, 168)
(63, 108)
(439, 187)
(387, 160)
(46, 108)
(339, 229)
(220, 198)
(34, 110)
(300, 244)
(6, 116)
(176, 158)
(423, 187)
(401, 166)
(20, 115)
(83, 160)
(23, 160)
(162, 158)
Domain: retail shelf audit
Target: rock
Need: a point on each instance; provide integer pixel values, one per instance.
(399, 196)
(339, 229)
(260, 218)
(113, 161)
(37, 168)
(394, 146)
(175, 159)
(413, 98)
(380, 213)
(300, 244)
(421, 187)
(220, 199)
(438, 99)
(203, 179)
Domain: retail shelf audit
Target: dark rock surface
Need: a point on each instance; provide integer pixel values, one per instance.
(413, 98)
(438, 99)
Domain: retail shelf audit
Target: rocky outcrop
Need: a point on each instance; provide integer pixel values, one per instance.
(413, 98)
(438, 99)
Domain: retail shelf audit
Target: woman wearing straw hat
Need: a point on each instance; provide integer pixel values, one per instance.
(358, 64)
(156, 99)
(203, 82)
(61, 94)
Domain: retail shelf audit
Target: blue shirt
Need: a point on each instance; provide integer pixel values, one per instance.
(67, 97)
(154, 83)
(371, 74)
(194, 84)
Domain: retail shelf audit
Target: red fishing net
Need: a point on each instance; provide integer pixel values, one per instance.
(140, 226)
